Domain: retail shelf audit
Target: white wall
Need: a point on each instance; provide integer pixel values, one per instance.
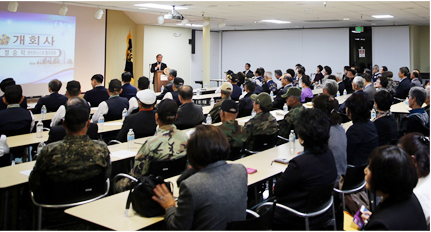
(391, 48)
(176, 51)
(197, 59)
(282, 49)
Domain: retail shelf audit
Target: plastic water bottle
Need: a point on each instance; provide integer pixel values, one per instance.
(212, 102)
(43, 112)
(285, 108)
(101, 122)
(407, 103)
(198, 92)
(345, 94)
(40, 147)
(130, 139)
(39, 129)
(292, 140)
(253, 113)
(124, 114)
(272, 95)
(162, 88)
(206, 86)
(209, 120)
(373, 114)
(338, 94)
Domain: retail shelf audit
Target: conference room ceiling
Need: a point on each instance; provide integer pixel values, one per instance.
(247, 15)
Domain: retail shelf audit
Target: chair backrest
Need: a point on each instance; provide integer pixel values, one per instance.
(168, 168)
(308, 99)
(235, 153)
(319, 197)
(263, 222)
(264, 142)
(354, 177)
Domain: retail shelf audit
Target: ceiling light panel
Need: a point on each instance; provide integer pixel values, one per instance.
(382, 16)
(274, 21)
(159, 6)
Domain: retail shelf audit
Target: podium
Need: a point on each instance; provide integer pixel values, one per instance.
(160, 79)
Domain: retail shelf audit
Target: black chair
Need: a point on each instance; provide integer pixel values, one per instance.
(354, 181)
(262, 142)
(168, 168)
(255, 221)
(308, 99)
(55, 194)
(235, 153)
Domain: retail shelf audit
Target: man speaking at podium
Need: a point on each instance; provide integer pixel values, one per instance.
(158, 66)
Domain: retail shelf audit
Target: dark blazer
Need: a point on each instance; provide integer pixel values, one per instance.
(58, 133)
(386, 129)
(394, 214)
(402, 90)
(153, 69)
(3, 105)
(249, 75)
(15, 121)
(245, 105)
(143, 124)
(52, 102)
(362, 138)
(294, 185)
(97, 95)
(236, 92)
(348, 85)
(167, 88)
(189, 115)
(279, 101)
(414, 123)
(175, 97)
(211, 198)
(128, 91)
(341, 88)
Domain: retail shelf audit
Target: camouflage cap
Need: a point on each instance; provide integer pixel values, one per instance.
(292, 92)
(263, 99)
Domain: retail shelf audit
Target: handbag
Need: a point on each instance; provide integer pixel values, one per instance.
(141, 193)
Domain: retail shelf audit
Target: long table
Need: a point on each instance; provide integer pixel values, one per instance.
(50, 115)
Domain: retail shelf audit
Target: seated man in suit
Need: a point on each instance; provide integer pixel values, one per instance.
(99, 93)
(112, 108)
(279, 101)
(236, 92)
(168, 88)
(76, 157)
(73, 89)
(403, 87)
(418, 120)
(177, 84)
(293, 100)
(143, 123)
(340, 84)
(226, 91)
(52, 101)
(168, 144)
(357, 85)
(128, 89)
(369, 87)
(236, 135)
(143, 83)
(189, 114)
(245, 105)
(269, 85)
(348, 81)
(5, 83)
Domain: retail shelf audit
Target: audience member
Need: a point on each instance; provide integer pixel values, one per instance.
(263, 123)
(73, 89)
(385, 122)
(5, 83)
(99, 93)
(112, 108)
(241, 78)
(53, 100)
(299, 74)
(417, 147)
(376, 73)
(306, 94)
(392, 175)
(169, 143)
(416, 79)
(212, 197)
(293, 100)
(248, 73)
(418, 120)
(383, 69)
(279, 101)
(177, 84)
(143, 83)
(337, 142)
(292, 73)
(369, 87)
(236, 91)
(270, 85)
(259, 80)
(76, 157)
(143, 123)
(172, 74)
(362, 136)
(128, 90)
(392, 85)
(427, 101)
(403, 87)
(357, 85)
(236, 135)
(226, 91)
(189, 114)
(57, 133)
(319, 76)
(326, 72)
(278, 74)
(348, 81)
(314, 167)
(245, 104)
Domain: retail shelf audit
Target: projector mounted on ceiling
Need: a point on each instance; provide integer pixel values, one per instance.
(174, 15)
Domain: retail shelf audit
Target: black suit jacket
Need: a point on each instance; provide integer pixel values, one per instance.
(249, 75)
(189, 115)
(245, 105)
(168, 88)
(58, 133)
(3, 105)
(153, 69)
(386, 128)
(341, 88)
(97, 95)
(52, 102)
(143, 124)
(279, 101)
(348, 85)
(402, 90)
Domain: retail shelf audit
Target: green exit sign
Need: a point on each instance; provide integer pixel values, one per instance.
(359, 29)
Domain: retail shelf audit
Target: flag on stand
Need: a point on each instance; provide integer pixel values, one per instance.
(129, 55)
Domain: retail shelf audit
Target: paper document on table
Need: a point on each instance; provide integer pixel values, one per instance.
(124, 154)
(113, 123)
(163, 77)
(26, 172)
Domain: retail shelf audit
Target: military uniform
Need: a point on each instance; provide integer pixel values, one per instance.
(286, 125)
(215, 111)
(168, 144)
(235, 134)
(76, 157)
(261, 124)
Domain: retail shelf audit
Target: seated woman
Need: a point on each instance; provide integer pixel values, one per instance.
(306, 91)
(213, 196)
(418, 147)
(337, 142)
(392, 175)
(385, 122)
(313, 167)
(362, 136)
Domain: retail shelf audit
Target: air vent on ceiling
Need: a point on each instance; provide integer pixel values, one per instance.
(322, 20)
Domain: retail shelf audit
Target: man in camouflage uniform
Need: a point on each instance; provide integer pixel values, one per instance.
(76, 157)
(235, 134)
(226, 91)
(168, 144)
(293, 100)
(263, 123)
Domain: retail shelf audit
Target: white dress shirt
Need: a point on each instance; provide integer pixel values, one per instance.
(133, 104)
(58, 116)
(4, 148)
(102, 110)
(422, 192)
